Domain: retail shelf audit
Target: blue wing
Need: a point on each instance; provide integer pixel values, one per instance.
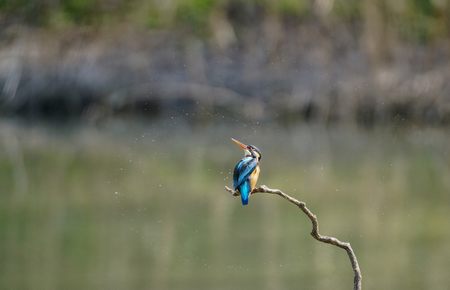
(240, 177)
(243, 170)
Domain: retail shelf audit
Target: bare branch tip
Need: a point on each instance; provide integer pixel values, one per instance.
(233, 192)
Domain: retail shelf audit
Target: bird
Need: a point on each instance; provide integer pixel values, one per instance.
(246, 171)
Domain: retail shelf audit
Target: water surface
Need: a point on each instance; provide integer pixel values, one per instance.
(142, 206)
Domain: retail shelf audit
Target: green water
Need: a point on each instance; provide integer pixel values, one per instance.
(143, 207)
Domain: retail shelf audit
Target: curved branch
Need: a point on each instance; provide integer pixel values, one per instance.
(315, 230)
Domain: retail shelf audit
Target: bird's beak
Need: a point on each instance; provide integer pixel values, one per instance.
(240, 144)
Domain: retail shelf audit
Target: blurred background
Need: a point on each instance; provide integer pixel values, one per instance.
(115, 126)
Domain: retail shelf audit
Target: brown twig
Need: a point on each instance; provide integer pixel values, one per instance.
(315, 230)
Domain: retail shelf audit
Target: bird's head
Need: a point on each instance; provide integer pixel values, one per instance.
(250, 150)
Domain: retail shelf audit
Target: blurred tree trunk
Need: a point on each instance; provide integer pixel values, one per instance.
(375, 38)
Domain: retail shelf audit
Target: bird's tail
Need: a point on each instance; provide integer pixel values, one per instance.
(244, 189)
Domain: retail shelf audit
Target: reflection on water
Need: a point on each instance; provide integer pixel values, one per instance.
(139, 207)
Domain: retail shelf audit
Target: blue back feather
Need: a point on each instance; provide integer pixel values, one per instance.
(241, 175)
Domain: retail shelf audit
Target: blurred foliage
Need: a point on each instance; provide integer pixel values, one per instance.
(347, 9)
(423, 19)
(412, 19)
(194, 13)
(80, 11)
(291, 8)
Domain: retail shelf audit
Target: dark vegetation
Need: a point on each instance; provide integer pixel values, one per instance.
(331, 60)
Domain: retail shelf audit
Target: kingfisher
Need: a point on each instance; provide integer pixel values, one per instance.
(246, 171)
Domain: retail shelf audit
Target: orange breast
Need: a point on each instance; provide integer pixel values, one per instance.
(254, 177)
